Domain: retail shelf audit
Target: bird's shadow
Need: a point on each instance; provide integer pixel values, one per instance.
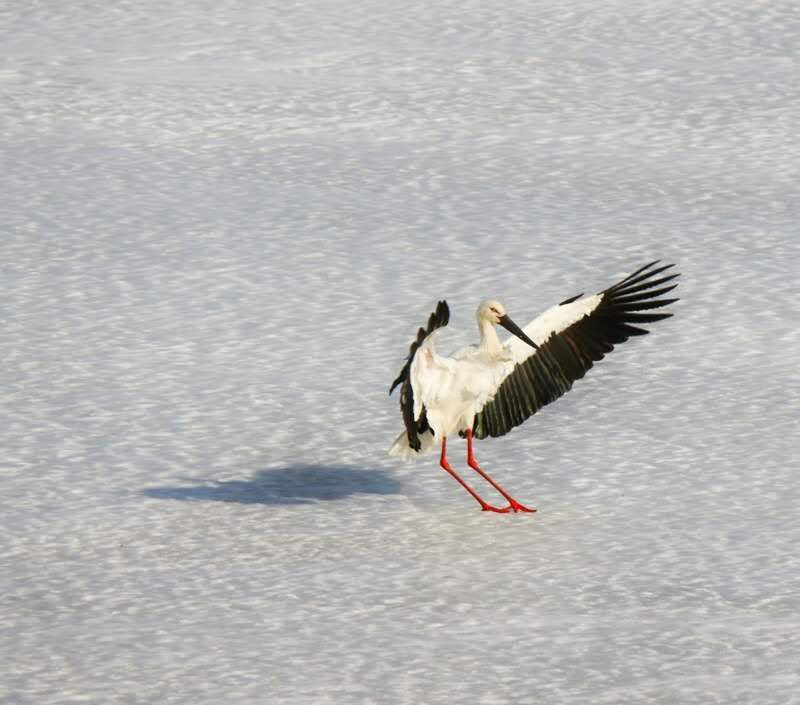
(302, 484)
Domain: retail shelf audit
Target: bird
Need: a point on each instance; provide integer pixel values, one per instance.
(488, 389)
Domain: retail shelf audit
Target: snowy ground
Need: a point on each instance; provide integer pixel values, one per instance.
(221, 224)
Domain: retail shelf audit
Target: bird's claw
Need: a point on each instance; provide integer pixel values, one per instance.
(513, 506)
(499, 510)
(517, 507)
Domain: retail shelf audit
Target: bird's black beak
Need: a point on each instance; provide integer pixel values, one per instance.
(512, 327)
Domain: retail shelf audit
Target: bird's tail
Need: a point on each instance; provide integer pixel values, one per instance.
(401, 449)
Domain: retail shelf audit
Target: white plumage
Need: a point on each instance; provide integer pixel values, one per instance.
(454, 389)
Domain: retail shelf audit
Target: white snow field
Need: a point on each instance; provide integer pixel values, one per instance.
(222, 223)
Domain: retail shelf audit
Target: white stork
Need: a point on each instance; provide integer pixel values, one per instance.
(488, 389)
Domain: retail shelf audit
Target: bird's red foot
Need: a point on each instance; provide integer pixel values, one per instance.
(499, 510)
(517, 507)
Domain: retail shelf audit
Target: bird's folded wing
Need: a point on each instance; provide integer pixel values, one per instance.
(431, 374)
(571, 338)
(413, 411)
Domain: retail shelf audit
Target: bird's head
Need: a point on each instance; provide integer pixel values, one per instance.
(491, 311)
(494, 313)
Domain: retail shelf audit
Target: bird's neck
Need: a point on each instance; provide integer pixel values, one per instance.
(490, 343)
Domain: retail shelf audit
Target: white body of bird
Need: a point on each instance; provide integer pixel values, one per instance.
(452, 390)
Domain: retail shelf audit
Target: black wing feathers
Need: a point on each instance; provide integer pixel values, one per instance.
(567, 355)
(438, 319)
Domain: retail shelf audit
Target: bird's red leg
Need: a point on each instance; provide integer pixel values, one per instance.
(446, 466)
(512, 503)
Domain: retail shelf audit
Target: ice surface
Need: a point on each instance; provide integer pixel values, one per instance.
(221, 225)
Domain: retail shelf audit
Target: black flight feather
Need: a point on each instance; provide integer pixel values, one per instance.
(415, 428)
(568, 354)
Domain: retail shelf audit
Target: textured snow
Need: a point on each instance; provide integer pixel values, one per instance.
(221, 225)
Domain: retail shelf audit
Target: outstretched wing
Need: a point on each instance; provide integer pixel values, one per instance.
(571, 338)
(416, 426)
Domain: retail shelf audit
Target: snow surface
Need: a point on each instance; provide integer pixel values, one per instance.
(222, 223)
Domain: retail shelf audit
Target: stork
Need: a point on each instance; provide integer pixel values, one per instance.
(487, 389)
